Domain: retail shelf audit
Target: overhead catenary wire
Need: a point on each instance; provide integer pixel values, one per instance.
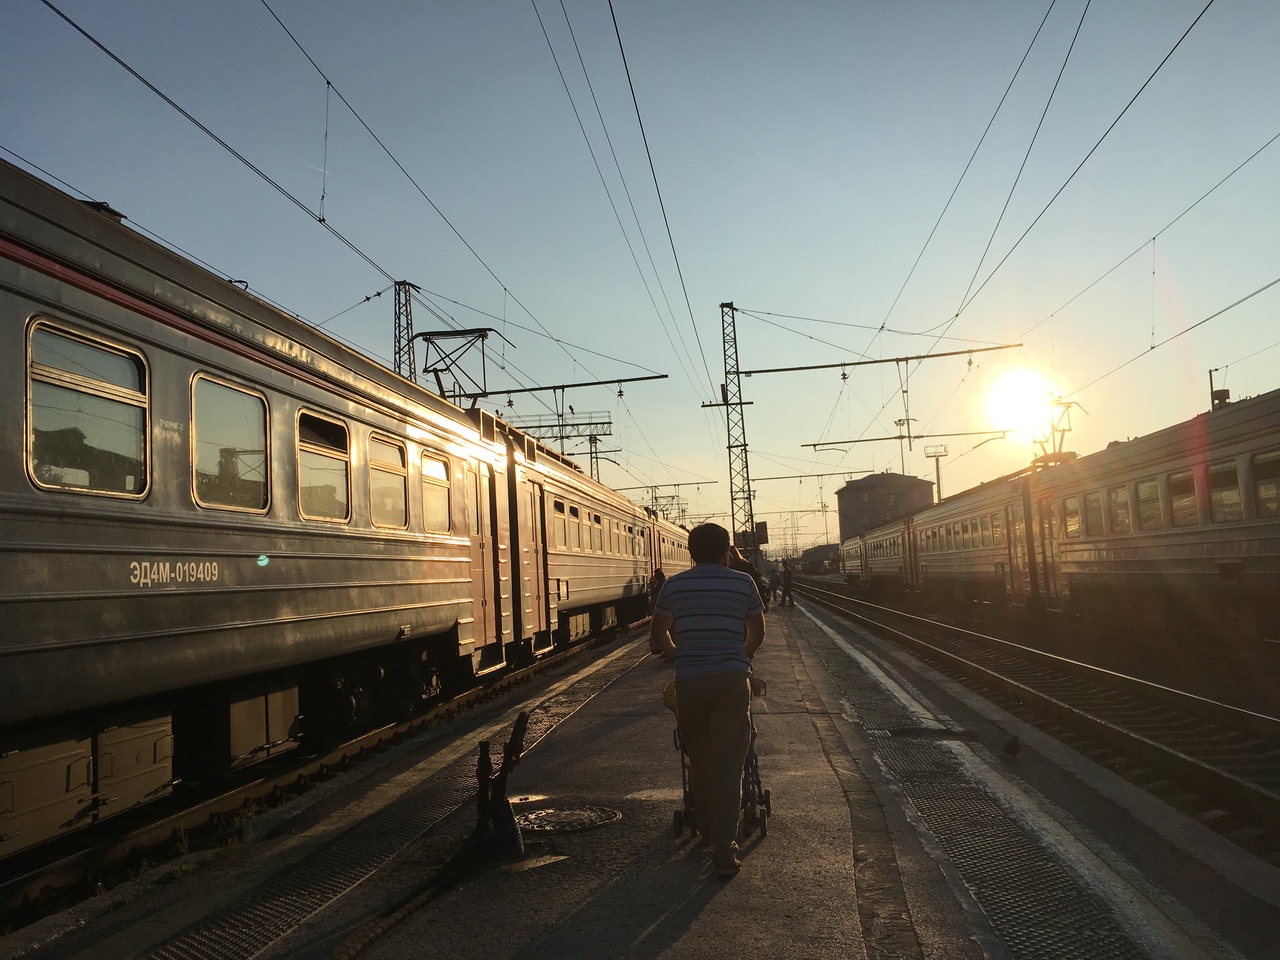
(417, 186)
(644, 240)
(221, 142)
(662, 206)
(1142, 246)
(1027, 155)
(1080, 165)
(680, 358)
(969, 299)
(1169, 339)
(963, 173)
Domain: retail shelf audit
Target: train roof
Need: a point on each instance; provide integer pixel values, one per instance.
(36, 215)
(1179, 439)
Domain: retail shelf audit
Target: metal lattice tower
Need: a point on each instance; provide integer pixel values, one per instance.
(740, 508)
(403, 341)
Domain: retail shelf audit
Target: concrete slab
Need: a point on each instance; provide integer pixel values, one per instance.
(827, 881)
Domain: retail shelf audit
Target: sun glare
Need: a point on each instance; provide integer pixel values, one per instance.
(1019, 403)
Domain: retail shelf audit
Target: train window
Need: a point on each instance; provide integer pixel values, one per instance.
(1266, 485)
(1071, 518)
(1118, 506)
(1093, 514)
(997, 530)
(435, 494)
(1225, 503)
(562, 536)
(323, 463)
(965, 538)
(229, 444)
(388, 484)
(1149, 504)
(88, 415)
(950, 536)
(597, 534)
(986, 531)
(575, 529)
(1182, 499)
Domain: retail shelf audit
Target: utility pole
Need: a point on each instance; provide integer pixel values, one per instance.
(740, 508)
(593, 442)
(935, 452)
(403, 338)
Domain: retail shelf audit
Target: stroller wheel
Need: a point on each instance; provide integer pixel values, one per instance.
(767, 806)
(677, 823)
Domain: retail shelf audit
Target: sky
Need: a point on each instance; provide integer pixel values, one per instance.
(865, 180)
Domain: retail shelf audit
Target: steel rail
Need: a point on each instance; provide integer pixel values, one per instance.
(1214, 782)
(52, 879)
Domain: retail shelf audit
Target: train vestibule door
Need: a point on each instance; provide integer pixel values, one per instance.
(484, 559)
(1048, 549)
(535, 535)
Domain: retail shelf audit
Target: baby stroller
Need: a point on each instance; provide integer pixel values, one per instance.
(756, 806)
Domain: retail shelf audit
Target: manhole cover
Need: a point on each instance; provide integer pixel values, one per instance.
(567, 821)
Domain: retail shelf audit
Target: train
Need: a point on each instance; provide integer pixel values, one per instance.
(224, 532)
(1175, 534)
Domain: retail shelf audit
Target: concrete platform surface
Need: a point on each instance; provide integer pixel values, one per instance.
(899, 829)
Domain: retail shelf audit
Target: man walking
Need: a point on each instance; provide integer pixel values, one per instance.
(712, 619)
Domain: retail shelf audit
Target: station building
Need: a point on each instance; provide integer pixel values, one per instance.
(872, 499)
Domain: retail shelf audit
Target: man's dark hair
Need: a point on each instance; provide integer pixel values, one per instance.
(708, 542)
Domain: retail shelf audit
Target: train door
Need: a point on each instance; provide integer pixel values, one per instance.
(484, 566)
(1016, 548)
(1048, 549)
(536, 538)
(911, 544)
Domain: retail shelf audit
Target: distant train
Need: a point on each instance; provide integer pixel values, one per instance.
(1177, 531)
(222, 530)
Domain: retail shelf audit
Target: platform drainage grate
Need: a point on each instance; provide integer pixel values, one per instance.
(1036, 905)
(567, 821)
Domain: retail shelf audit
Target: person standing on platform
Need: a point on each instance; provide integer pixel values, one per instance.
(712, 619)
(774, 583)
(787, 600)
(740, 563)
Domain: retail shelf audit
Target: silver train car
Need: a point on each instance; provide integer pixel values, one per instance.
(1177, 531)
(223, 530)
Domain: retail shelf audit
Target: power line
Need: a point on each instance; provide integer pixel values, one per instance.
(1030, 146)
(658, 190)
(600, 173)
(963, 173)
(222, 143)
(761, 314)
(1184, 330)
(1156, 235)
(1081, 164)
(418, 187)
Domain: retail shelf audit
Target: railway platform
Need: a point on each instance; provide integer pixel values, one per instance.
(906, 822)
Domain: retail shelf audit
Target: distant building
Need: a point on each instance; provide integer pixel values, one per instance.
(872, 499)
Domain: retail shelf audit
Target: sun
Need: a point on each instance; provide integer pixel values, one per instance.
(1019, 402)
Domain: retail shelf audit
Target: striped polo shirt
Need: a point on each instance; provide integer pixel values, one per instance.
(709, 604)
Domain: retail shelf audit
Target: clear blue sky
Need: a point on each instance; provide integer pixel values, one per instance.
(804, 152)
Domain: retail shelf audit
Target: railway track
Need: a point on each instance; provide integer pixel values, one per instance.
(41, 881)
(1216, 762)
